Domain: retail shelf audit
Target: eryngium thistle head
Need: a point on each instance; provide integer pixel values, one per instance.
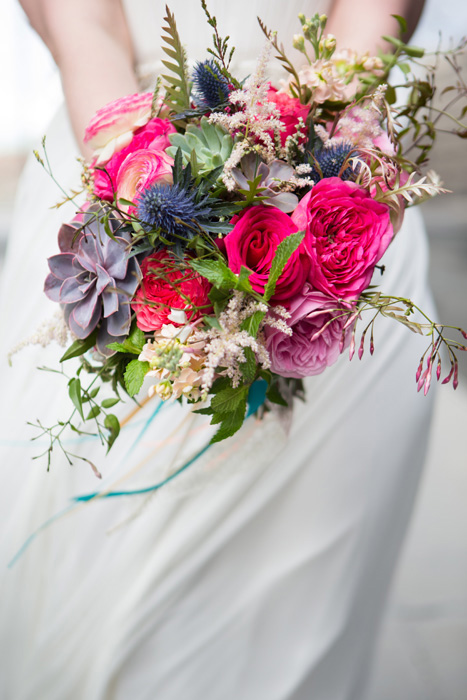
(94, 280)
(210, 86)
(328, 162)
(172, 210)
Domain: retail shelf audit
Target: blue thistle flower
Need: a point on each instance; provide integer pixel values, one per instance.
(211, 87)
(330, 162)
(172, 209)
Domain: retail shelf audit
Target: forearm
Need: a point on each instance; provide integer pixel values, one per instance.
(90, 43)
(359, 24)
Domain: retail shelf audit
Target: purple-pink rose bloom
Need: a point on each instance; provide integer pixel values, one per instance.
(317, 323)
(253, 243)
(347, 232)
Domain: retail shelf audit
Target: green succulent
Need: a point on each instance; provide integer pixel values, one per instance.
(206, 148)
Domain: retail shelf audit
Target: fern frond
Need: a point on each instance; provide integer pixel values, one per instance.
(178, 86)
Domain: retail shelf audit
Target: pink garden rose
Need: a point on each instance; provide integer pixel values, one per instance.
(153, 136)
(290, 109)
(347, 232)
(253, 243)
(141, 169)
(165, 287)
(313, 345)
(112, 127)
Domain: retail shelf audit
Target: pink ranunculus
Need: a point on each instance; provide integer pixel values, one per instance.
(112, 127)
(290, 109)
(153, 136)
(141, 169)
(253, 243)
(317, 323)
(347, 232)
(164, 287)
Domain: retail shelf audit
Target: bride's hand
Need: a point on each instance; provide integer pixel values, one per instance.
(360, 24)
(90, 42)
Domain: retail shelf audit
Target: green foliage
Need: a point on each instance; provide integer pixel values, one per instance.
(284, 250)
(79, 347)
(132, 345)
(74, 392)
(228, 408)
(178, 85)
(112, 424)
(134, 376)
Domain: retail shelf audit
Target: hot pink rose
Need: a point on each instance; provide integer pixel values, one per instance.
(253, 243)
(141, 169)
(165, 287)
(317, 322)
(153, 136)
(290, 110)
(347, 232)
(112, 127)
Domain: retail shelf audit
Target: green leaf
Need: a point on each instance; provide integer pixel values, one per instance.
(274, 395)
(252, 323)
(232, 422)
(414, 51)
(134, 376)
(95, 410)
(248, 368)
(285, 249)
(243, 282)
(216, 272)
(74, 392)
(112, 424)
(178, 89)
(212, 322)
(402, 23)
(137, 338)
(79, 347)
(229, 398)
(108, 403)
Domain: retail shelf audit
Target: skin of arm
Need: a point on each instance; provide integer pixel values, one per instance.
(90, 42)
(359, 24)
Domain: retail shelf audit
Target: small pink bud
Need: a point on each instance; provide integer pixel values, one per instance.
(342, 342)
(448, 377)
(438, 370)
(352, 346)
(419, 371)
(464, 333)
(455, 381)
(421, 381)
(372, 347)
(361, 348)
(427, 381)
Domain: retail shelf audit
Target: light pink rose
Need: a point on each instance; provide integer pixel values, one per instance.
(347, 232)
(253, 243)
(153, 136)
(112, 127)
(141, 169)
(317, 323)
(165, 287)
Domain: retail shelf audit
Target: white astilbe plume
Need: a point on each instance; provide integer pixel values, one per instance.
(54, 329)
(225, 347)
(254, 119)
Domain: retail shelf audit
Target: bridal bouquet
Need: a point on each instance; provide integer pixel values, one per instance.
(232, 227)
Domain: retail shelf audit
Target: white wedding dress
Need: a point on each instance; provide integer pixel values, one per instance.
(262, 571)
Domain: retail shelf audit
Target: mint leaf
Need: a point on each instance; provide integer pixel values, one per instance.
(134, 376)
(248, 368)
(274, 395)
(136, 338)
(229, 399)
(252, 323)
(232, 422)
(284, 250)
(216, 272)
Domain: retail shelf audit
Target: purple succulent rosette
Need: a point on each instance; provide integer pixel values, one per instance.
(94, 279)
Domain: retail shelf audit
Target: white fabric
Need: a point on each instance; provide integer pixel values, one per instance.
(259, 574)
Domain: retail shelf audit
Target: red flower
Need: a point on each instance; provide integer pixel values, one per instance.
(253, 243)
(164, 287)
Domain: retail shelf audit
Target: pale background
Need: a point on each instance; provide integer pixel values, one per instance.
(423, 649)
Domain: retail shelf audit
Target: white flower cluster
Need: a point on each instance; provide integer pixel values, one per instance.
(55, 329)
(255, 118)
(225, 347)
